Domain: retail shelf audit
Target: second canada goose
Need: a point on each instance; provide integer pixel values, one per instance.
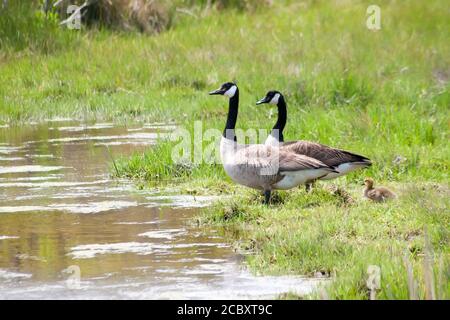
(343, 161)
(259, 166)
(379, 194)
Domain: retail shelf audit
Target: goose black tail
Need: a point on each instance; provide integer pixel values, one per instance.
(359, 159)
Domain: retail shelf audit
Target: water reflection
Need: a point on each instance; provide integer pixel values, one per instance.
(59, 208)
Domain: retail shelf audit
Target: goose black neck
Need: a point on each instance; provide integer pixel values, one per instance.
(278, 128)
(232, 117)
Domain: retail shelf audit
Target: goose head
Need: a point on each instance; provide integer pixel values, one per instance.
(368, 182)
(227, 89)
(272, 97)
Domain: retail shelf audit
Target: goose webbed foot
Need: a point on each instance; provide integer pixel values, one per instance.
(309, 186)
(267, 197)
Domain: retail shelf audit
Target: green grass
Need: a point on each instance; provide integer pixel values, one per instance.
(26, 29)
(295, 49)
(339, 237)
(382, 94)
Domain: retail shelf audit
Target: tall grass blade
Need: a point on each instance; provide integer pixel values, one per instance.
(412, 284)
(428, 275)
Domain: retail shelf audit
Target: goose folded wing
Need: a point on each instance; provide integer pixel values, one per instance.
(273, 160)
(289, 162)
(330, 156)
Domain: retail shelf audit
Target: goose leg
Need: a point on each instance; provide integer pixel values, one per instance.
(309, 186)
(266, 196)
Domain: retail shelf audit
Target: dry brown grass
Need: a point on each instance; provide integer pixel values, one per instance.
(149, 16)
(152, 16)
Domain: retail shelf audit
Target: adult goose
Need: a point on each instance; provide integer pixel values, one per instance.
(343, 161)
(259, 166)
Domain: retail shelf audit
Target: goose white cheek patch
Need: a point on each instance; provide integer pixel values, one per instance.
(230, 92)
(275, 99)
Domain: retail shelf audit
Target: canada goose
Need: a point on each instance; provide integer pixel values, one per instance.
(379, 194)
(343, 161)
(259, 166)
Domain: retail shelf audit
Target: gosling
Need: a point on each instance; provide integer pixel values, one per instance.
(380, 194)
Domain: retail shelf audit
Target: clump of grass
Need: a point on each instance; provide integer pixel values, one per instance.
(153, 16)
(304, 237)
(142, 15)
(347, 90)
(160, 165)
(343, 197)
(249, 5)
(25, 26)
(232, 211)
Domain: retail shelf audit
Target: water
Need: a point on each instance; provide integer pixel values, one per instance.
(70, 231)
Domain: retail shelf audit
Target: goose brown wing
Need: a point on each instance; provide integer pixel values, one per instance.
(330, 156)
(295, 162)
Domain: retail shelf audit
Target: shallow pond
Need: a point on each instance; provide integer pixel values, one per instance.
(70, 231)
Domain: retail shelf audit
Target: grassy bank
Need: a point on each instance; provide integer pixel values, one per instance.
(337, 234)
(382, 94)
(104, 71)
(322, 56)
